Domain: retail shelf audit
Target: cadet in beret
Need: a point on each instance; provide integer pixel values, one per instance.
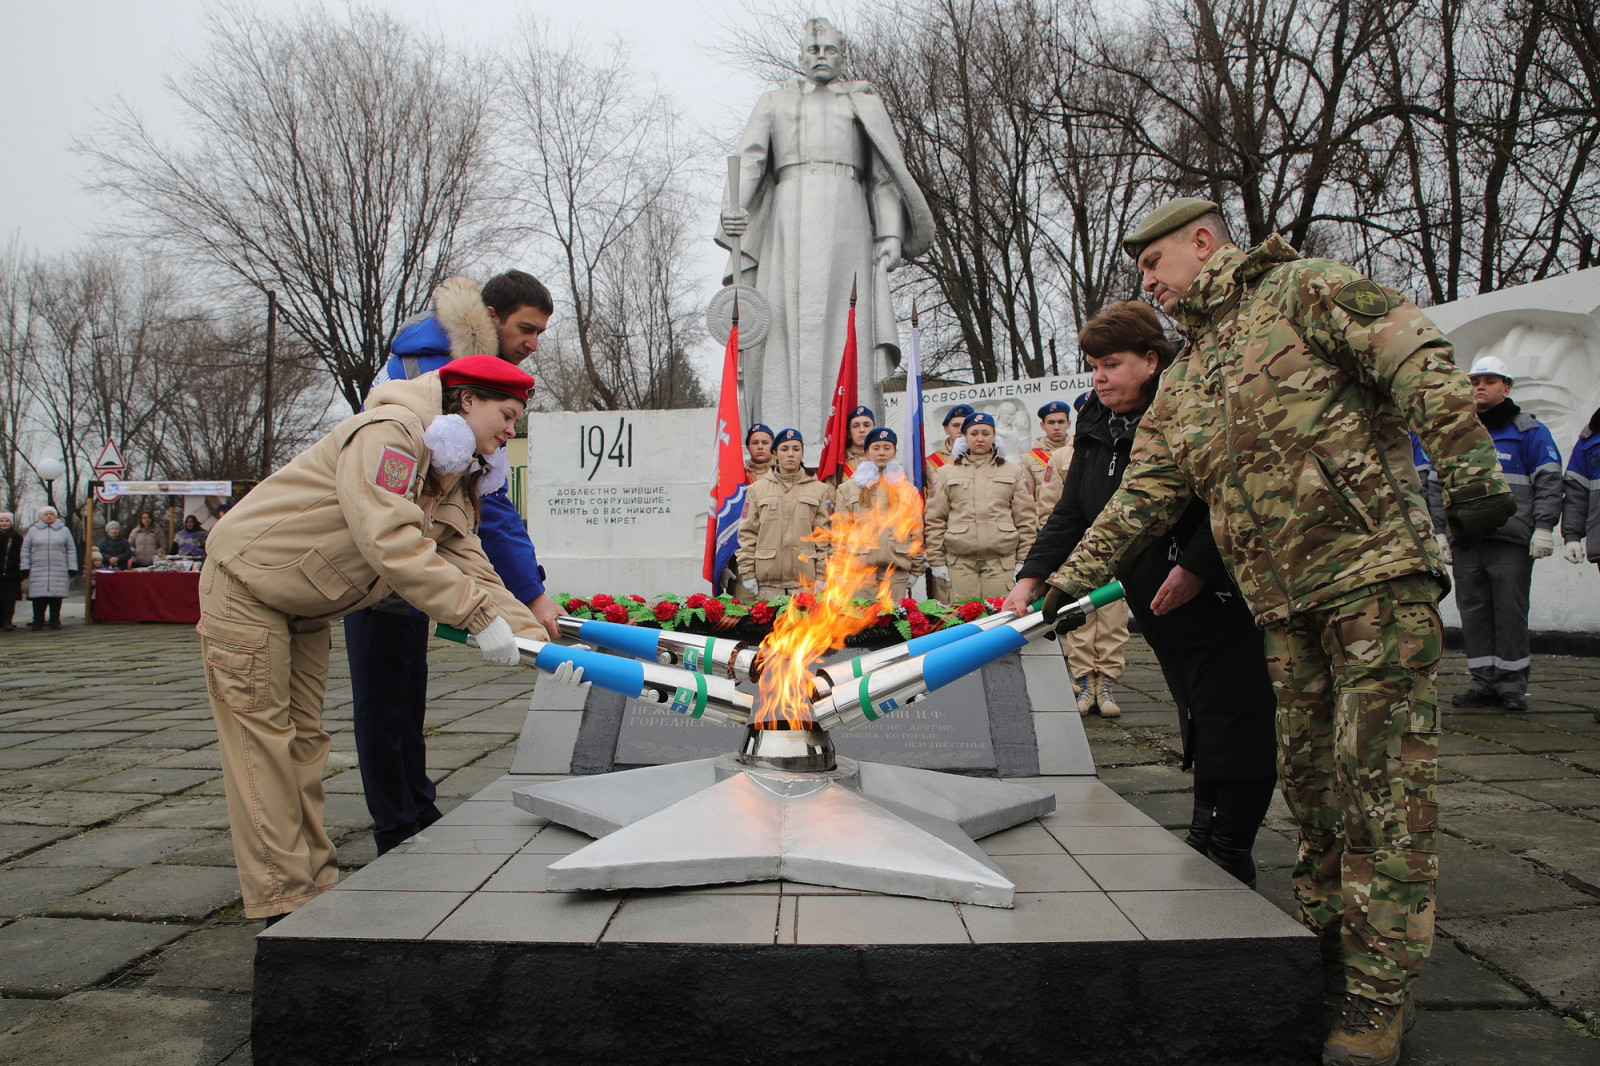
(783, 508)
(936, 461)
(1055, 420)
(388, 500)
(758, 452)
(878, 477)
(981, 519)
(1288, 414)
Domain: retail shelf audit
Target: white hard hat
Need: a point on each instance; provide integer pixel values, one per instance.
(1488, 364)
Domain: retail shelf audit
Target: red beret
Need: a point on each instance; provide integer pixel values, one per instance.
(487, 372)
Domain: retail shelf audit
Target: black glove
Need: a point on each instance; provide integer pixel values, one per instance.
(1054, 600)
(1472, 520)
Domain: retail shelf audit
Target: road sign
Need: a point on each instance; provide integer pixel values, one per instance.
(109, 489)
(110, 458)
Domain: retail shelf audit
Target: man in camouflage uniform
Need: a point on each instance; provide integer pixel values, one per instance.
(1288, 413)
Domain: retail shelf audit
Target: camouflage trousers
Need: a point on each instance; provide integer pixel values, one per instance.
(1358, 748)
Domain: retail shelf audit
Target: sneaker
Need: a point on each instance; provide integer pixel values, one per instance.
(1514, 701)
(1083, 688)
(1475, 697)
(1103, 696)
(1367, 1033)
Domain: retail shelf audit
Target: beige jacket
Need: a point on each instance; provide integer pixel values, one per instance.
(1050, 482)
(981, 509)
(904, 555)
(147, 544)
(347, 520)
(779, 511)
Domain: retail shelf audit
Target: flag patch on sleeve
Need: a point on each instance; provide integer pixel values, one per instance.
(395, 471)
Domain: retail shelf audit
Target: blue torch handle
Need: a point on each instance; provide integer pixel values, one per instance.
(629, 640)
(614, 674)
(944, 665)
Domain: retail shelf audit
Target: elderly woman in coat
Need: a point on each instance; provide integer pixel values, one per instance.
(50, 561)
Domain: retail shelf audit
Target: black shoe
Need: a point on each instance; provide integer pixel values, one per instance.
(8, 627)
(1475, 697)
(1229, 847)
(55, 625)
(1514, 702)
(36, 626)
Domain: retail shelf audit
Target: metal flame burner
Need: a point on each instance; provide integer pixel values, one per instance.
(782, 747)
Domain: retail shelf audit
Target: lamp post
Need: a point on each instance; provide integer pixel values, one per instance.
(48, 470)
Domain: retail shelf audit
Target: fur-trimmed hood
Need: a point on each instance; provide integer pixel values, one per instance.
(458, 304)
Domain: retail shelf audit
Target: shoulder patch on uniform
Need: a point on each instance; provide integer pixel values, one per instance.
(395, 471)
(1363, 297)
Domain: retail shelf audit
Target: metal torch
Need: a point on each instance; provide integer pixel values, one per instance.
(716, 656)
(696, 695)
(870, 697)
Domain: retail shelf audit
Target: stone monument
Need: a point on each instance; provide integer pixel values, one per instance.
(823, 199)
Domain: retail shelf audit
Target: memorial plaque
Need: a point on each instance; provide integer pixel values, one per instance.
(947, 731)
(653, 733)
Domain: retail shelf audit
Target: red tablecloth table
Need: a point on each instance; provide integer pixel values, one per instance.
(142, 596)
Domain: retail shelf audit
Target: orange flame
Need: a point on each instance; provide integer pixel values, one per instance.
(856, 543)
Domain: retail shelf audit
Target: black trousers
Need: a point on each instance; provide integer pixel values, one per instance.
(8, 599)
(53, 604)
(389, 683)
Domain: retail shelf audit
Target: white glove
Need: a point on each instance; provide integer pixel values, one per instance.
(866, 474)
(940, 573)
(1573, 552)
(753, 587)
(1444, 550)
(567, 674)
(498, 643)
(1542, 544)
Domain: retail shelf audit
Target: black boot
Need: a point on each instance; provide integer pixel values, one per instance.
(1200, 825)
(1229, 848)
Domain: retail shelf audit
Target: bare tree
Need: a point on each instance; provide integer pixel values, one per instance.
(595, 175)
(334, 159)
(18, 351)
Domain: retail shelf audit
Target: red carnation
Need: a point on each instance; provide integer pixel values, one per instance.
(969, 611)
(996, 602)
(574, 605)
(699, 599)
(616, 613)
(666, 610)
(638, 599)
(714, 610)
(601, 602)
(908, 604)
(920, 626)
(761, 611)
(805, 601)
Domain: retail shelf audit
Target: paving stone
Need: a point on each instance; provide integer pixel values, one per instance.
(1075, 916)
(130, 1027)
(1074, 814)
(1460, 744)
(1554, 952)
(546, 917)
(1127, 780)
(1191, 914)
(103, 761)
(1507, 767)
(157, 893)
(1276, 886)
(77, 741)
(425, 873)
(114, 846)
(473, 840)
(1453, 981)
(1175, 810)
(877, 920)
(207, 758)
(187, 739)
(54, 956)
(1147, 873)
(369, 915)
(1562, 842)
(28, 891)
(1495, 1038)
(184, 812)
(1121, 840)
(73, 808)
(18, 839)
(1273, 849)
(23, 758)
(214, 848)
(219, 958)
(12, 1011)
(1470, 797)
(1045, 873)
(1575, 792)
(347, 810)
(673, 917)
(469, 781)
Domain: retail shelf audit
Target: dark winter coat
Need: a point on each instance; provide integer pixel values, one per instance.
(10, 554)
(1209, 649)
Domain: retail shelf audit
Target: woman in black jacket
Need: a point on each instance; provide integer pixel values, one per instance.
(1180, 592)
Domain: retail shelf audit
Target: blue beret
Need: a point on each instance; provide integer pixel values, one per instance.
(960, 410)
(1054, 407)
(756, 427)
(785, 435)
(978, 418)
(860, 412)
(883, 433)
(1083, 398)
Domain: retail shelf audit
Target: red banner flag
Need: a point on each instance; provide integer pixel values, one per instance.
(836, 440)
(728, 480)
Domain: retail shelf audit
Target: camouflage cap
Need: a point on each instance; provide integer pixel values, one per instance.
(1164, 219)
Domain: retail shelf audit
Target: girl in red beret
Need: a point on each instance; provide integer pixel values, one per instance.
(387, 501)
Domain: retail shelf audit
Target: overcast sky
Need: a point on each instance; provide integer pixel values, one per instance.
(63, 60)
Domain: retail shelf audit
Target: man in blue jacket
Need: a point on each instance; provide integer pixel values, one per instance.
(388, 643)
(1493, 575)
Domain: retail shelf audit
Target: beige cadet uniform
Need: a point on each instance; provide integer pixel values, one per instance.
(1034, 461)
(980, 523)
(779, 513)
(900, 560)
(939, 459)
(754, 471)
(336, 529)
(1097, 646)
